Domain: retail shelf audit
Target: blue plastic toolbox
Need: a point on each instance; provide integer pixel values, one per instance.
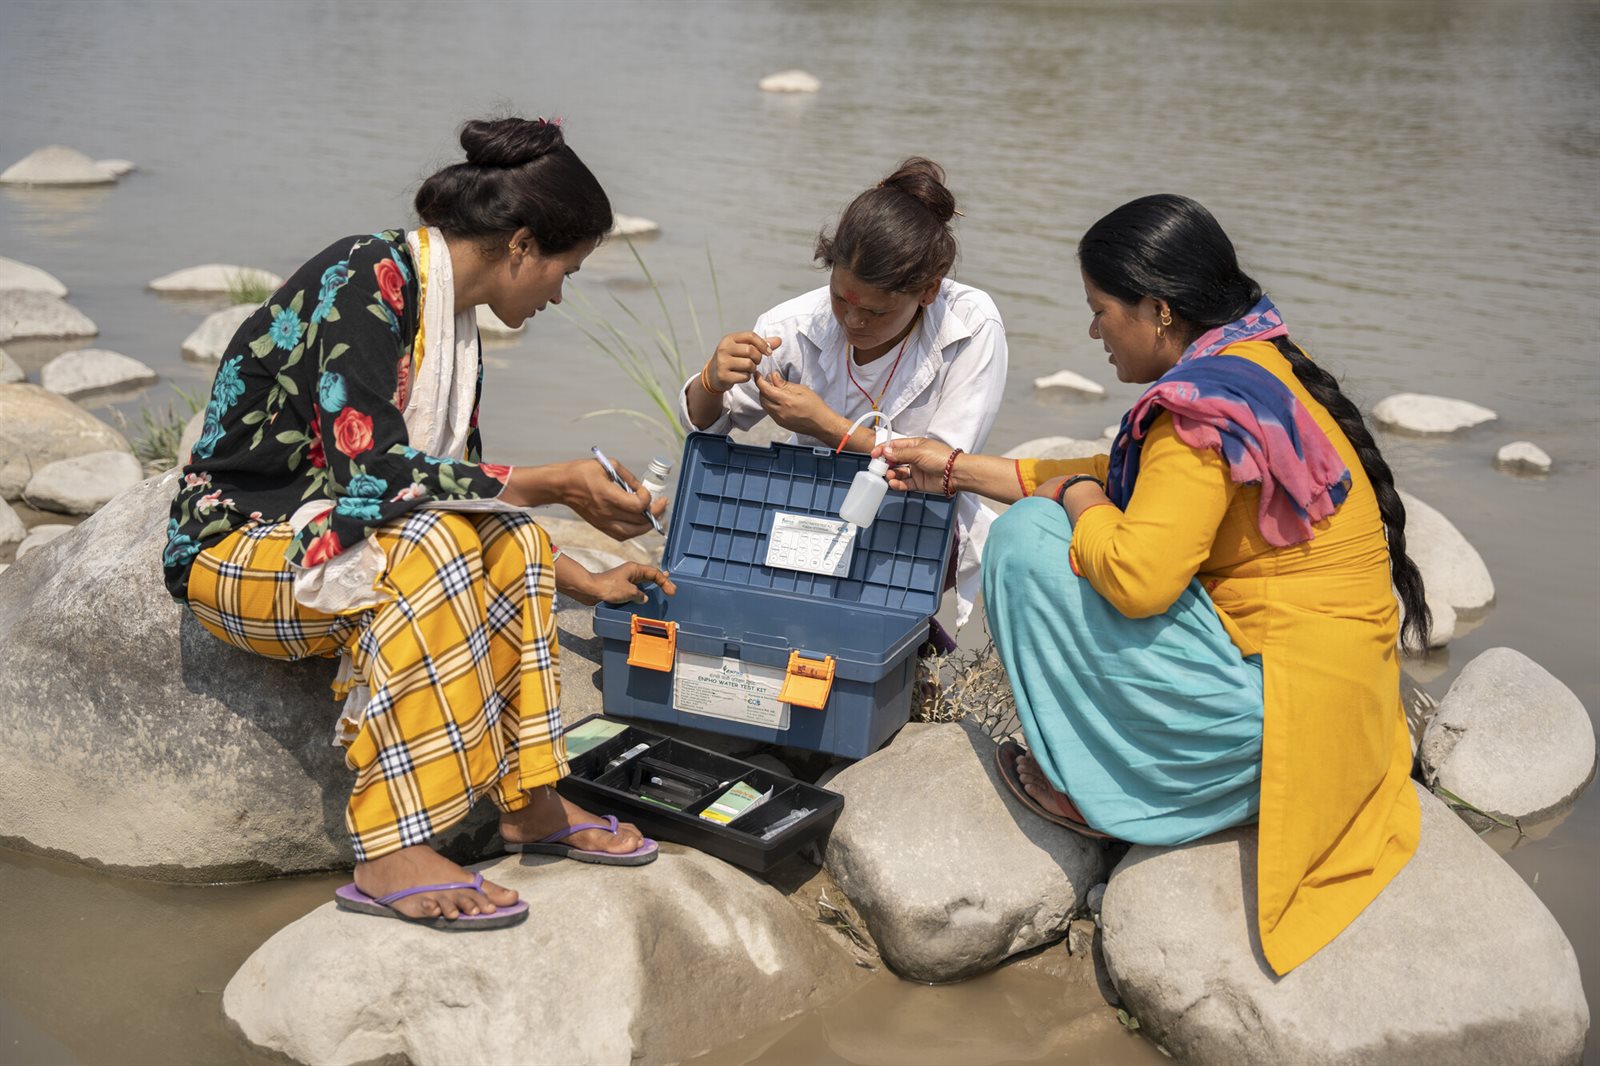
(789, 625)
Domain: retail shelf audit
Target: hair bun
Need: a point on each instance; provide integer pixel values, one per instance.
(509, 142)
(923, 180)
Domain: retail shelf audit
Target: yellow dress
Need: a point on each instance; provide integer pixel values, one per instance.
(1338, 816)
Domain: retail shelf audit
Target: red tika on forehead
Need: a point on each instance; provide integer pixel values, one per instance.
(851, 297)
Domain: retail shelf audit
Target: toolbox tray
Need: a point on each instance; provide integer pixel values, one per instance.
(617, 791)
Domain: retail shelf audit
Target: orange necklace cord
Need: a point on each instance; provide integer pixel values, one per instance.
(850, 358)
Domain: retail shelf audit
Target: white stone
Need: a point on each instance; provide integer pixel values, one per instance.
(1417, 413)
(41, 535)
(1452, 570)
(10, 372)
(1057, 448)
(1523, 457)
(83, 484)
(613, 965)
(37, 427)
(191, 433)
(1111, 431)
(117, 728)
(1066, 379)
(15, 275)
(489, 323)
(57, 165)
(789, 81)
(1456, 961)
(210, 339)
(12, 531)
(118, 167)
(215, 278)
(633, 226)
(950, 873)
(1510, 739)
(91, 369)
(38, 316)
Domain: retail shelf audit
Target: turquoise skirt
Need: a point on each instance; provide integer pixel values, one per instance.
(1151, 725)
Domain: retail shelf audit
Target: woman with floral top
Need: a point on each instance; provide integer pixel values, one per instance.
(336, 504)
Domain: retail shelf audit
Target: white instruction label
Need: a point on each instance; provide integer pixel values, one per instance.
(730, 689)
(814, 545)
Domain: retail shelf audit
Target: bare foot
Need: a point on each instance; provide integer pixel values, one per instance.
(421, 865)
(1035, 784)
(549, 812)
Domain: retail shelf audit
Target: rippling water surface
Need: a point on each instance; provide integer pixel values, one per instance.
(1415, 184)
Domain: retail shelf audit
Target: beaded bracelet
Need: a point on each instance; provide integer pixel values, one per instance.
(1061, 490)
(949, 468)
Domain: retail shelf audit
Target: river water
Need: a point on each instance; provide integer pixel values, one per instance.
(1415, 184)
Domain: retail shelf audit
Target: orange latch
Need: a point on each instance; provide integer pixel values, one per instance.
(808, 681)
(653, 645)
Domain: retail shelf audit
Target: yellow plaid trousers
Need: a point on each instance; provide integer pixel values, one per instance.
(461, 659)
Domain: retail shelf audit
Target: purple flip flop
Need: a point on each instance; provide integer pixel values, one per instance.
(351, 898)
(551, 845)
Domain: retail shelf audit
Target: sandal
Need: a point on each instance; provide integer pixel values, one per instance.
(351, 898)
(551, 845)
(1005, 757)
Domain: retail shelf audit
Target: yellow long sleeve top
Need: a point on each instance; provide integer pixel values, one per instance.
(1338, 816)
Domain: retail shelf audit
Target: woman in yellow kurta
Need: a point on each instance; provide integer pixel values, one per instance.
(1201, 627)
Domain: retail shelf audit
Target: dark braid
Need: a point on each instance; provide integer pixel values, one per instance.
(1170, 248)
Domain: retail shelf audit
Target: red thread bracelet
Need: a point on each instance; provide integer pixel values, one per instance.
(949, 468)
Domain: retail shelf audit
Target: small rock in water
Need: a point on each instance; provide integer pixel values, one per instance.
(1056, 448)
(12, 531)
(489, 322)
(57, 165)
(789, 81)
(1071, 382)
(119, 167)
(1417, 413)
(1080, 938)
(1452, 570)
(83, 484)
(1111, 431)
(633, 226)
(216, 278)
(39, 316)
(1510, 739)
(39, 536)
(210, 339)
(1523, 457)
(92, 369)
(10, 372)
(15, 275)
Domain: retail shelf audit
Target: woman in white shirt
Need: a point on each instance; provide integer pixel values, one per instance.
(890, 332)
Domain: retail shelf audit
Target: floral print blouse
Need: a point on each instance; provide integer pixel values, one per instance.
(307, 405)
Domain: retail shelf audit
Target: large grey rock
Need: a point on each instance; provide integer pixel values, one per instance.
(209, 340)
(199, 761)
(1510, 739)
(1069, 381)
(789, 81)
(84, 483)
(1057, 448)
(10, 372)
(12, 531)
(1417, 413)
(1451, 568)
(92, 369)
(1523, 457)
(656, 964)
(28, 316)
(41, 535)
(15, 275)
(216, 278)
(57, 164)
(37, 427)
(949, 871)
(1456, 961)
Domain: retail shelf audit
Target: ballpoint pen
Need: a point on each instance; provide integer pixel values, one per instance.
(623, 485)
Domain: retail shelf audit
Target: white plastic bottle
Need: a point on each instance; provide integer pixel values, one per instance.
(655, 477)
(867, 489)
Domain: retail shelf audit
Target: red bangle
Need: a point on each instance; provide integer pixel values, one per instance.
(949, 468)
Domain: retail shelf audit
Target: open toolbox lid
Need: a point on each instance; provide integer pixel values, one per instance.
(766, 518)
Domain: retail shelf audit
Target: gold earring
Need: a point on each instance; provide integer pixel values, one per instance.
(1166, 320)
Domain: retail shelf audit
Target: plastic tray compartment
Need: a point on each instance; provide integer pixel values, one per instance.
(683, 768)
(731, 606)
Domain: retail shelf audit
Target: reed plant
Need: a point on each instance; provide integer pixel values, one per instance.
(658, 364)
(246, 287)
(156, 446)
